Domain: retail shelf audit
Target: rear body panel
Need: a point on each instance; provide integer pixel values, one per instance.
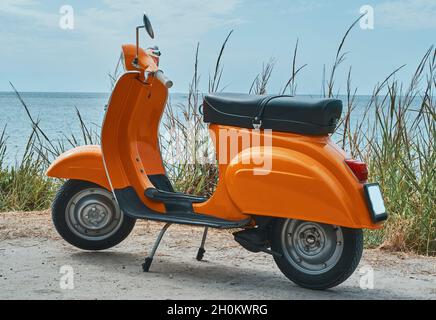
(307, 179)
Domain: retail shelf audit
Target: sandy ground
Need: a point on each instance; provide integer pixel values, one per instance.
(32, 254)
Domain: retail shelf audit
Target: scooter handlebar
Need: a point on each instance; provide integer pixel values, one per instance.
(162, 78)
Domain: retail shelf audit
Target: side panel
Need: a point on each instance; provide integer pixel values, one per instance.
(81, 163)
(291, 176)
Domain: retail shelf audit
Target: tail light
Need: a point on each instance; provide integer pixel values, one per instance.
(359, 169)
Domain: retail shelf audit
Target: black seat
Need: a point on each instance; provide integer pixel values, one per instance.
(280, 113)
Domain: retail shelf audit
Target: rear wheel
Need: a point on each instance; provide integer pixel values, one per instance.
(88, 217)
(315, 255)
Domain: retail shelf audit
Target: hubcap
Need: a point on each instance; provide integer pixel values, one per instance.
(312, 248)
(93, 214)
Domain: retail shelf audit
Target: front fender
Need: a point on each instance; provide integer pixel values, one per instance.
(317, 188)
(81, 163)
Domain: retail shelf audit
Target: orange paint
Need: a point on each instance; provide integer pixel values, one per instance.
(307, 179)
(146, 61)
(130, 134)
(82, 163)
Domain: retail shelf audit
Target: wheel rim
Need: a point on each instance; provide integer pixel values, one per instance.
(93, 214)
(312, 248)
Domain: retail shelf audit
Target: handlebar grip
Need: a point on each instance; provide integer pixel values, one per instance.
(162, 78)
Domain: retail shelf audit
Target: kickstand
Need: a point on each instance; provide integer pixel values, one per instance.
(147, 263)
(201, 250)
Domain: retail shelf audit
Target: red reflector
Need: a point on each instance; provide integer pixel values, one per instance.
(359, 169)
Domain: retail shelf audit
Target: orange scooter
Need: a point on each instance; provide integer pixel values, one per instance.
(283, 183)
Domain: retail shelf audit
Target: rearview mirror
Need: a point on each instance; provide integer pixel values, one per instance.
(148, 27)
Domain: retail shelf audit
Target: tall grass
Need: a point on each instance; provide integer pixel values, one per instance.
(25, 187)
(185, 142)
(399, 146)
(394, 133)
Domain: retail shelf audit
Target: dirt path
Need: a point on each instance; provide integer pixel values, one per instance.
(31, 255)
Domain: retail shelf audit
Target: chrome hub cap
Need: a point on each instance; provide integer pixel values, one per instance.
(93, 214)
(312, 248)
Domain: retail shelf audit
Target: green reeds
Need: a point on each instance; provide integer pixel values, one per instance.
(25, 187)
(394, 133)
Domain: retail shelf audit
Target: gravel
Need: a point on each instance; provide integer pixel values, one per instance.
(35, 263)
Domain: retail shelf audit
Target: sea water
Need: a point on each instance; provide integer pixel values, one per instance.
(56, 115)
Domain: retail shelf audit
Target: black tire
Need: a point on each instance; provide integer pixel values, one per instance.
(344, 267)
(66, 230)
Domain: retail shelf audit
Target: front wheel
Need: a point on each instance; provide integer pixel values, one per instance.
(88, 217)
(315, 255)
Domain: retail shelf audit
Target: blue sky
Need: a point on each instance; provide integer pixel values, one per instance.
(37, 55)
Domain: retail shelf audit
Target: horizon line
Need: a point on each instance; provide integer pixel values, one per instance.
(175, 92)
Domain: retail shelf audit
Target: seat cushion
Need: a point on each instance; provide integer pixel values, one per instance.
(280, 113)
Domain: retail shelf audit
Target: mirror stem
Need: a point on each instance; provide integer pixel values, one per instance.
(136, 61)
